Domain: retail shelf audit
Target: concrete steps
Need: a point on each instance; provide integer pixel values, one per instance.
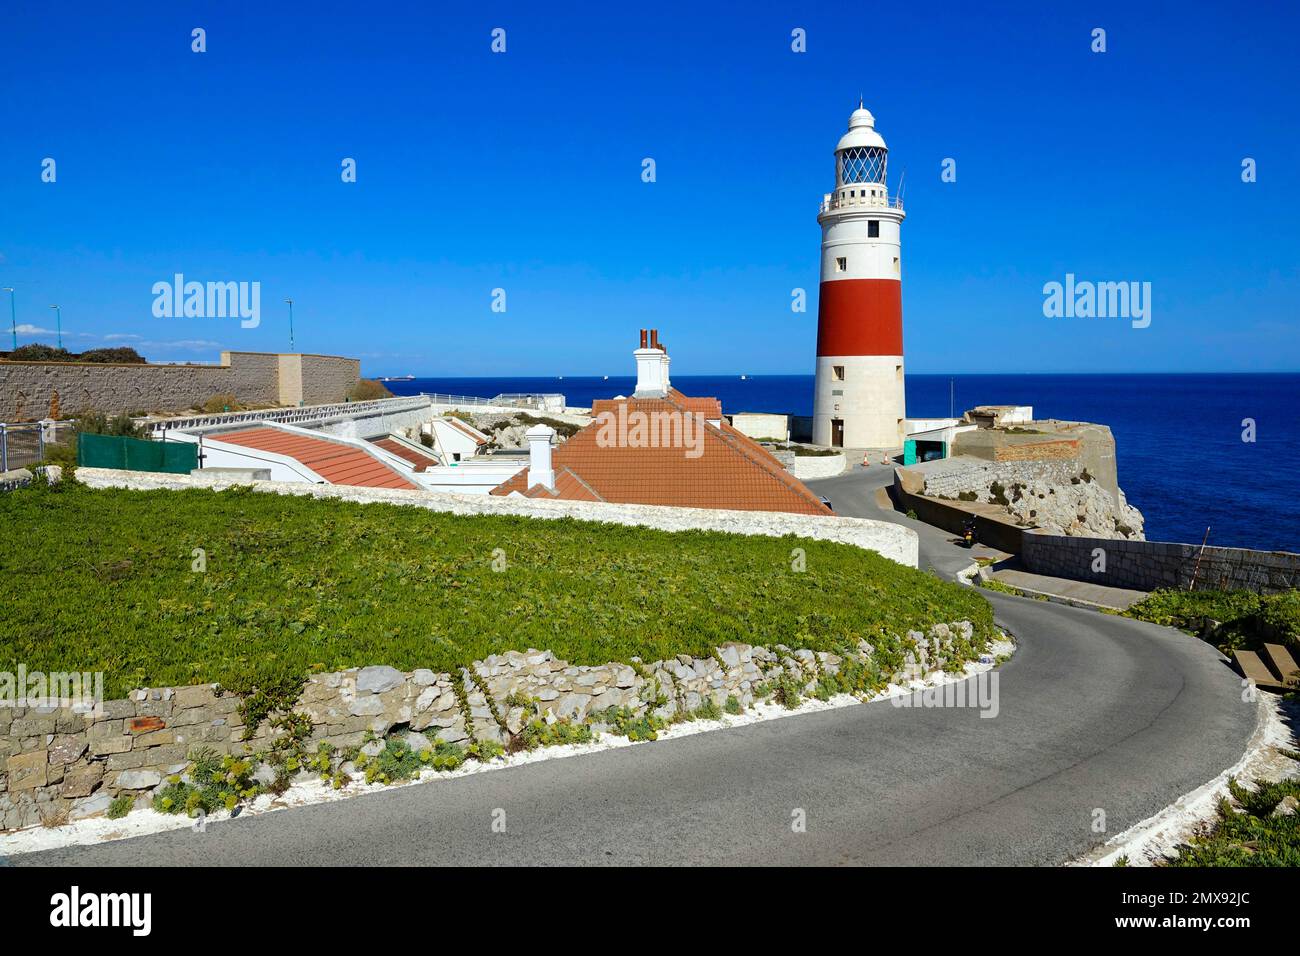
(1272, 669)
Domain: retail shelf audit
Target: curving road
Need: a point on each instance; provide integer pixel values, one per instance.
(1096, 713)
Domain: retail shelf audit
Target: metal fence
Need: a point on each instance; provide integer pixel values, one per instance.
(25, 443)
(539, 400)
(135, 454)
(292, 416)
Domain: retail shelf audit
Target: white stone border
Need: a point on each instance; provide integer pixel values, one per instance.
(143, 822)
(1158, 837)
(893, 541)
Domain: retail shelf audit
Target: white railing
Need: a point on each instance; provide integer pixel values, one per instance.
(294, 416)
(539, 400)
(832, 201)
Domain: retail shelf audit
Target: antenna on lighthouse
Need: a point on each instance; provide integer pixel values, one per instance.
(902, 178)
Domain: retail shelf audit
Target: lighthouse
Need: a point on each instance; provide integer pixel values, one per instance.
(858, 401)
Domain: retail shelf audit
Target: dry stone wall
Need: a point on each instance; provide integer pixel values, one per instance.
(28, 389)
(59, 765)
(1147, 565)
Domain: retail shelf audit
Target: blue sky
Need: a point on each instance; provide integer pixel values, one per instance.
(522, 171)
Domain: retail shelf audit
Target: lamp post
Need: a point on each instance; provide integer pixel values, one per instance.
(58, 319)
(13, 316)
(290, 301)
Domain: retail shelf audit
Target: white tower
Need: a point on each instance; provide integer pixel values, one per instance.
(858, 402)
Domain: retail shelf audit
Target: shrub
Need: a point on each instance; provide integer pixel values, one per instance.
(120, 806)
(1252, 837)
(37, 352)
(113, 356)
(367, 390)
(222, 402)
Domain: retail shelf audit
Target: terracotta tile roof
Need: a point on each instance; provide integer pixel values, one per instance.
(391, 445)
(710, 408)
(336, 462)
(732, 471)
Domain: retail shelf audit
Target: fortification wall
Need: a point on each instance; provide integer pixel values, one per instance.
(31, 391)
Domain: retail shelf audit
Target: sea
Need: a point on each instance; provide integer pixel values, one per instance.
(1199, 454)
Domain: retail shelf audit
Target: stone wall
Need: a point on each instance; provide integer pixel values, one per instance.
(811, 467)
(1147, 565)
(1061, 497)
(28, 389)
(890, 540)
(57, 765)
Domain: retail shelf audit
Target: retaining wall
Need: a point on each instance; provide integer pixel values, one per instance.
(1147, 565)
(809, 467)
(28, 389)
(57, 764)
(890, 540)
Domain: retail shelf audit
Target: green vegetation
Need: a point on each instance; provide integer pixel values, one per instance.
(1251, 836)
(37, 352)
(367, 390)
(992, 584)
(1246, 619)
(223, 402)
(297, 584)
(120, 806)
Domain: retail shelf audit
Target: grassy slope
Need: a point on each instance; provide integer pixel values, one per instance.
(102, 580)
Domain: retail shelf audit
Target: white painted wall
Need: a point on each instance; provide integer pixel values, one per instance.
(871, 401)
(890, 540)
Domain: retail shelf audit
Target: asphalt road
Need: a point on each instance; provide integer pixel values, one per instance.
(1095, 713)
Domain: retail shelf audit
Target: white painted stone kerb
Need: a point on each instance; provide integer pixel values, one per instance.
(890, 540)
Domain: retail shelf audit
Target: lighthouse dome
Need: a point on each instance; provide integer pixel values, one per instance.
(862, 131)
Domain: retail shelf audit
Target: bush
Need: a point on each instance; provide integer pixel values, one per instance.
(223, 402)
(97, 423)
(367, 390)
(115, 356)
(36, 352)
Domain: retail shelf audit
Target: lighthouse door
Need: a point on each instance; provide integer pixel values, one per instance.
(837, 432)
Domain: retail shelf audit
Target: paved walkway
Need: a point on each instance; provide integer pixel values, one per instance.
(1080, 592)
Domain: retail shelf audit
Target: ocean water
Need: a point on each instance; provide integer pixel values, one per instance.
(1182, 458)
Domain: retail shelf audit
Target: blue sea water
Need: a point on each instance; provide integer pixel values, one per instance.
(1182, 458)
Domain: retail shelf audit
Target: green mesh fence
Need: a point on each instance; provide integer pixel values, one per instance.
(134, 454)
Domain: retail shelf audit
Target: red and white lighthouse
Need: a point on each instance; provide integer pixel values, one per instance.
(859, 392)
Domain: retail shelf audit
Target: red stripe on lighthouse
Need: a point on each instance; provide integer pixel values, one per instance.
(860, 317)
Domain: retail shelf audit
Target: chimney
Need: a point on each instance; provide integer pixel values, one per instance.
(539, 456)
(651, 368)
(644, 343)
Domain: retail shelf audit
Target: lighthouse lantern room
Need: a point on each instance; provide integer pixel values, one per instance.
(859, 399)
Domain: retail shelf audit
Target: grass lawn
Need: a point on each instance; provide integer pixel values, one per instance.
(102, 581)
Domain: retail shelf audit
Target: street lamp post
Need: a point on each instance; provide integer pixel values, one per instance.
(13, 316)
(58, 319)
(290, 301)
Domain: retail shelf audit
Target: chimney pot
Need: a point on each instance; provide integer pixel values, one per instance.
(644, 335)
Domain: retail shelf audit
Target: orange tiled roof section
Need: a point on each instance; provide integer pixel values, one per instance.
(731, 472)
(417, 460)
(337, 463)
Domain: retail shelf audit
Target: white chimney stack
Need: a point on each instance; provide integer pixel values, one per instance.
(651, 367)
(539, 456)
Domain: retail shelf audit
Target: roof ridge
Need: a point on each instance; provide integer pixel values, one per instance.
(770, 466)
